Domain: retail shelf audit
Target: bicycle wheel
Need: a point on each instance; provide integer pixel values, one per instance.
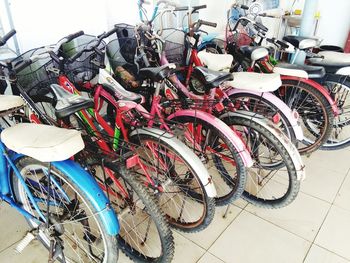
(339, 88)
(145, 235)
(264, 107)
(74, 220)
(314, 110)
(267, 185)
(180, 192)
(219, 156)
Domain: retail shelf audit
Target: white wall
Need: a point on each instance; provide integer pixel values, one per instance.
(41, 22)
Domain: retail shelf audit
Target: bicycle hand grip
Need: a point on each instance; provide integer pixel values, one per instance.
(22, 65)
(6, 37)
(282, 44)
(197, 7)
(245, 7)
(74, 35)
(181, 8)
(206, 23)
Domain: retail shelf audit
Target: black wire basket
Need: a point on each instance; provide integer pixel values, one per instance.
(175, 47)
(87, 66)
(36, 78)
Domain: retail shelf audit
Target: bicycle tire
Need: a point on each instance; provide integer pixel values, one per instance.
(186, 156)
(24, 165)
(311, 97)
(135, 243)
(230, 187)
(265, 135)
(341, 122)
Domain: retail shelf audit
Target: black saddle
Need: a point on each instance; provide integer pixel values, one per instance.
(155, 74)
(299, 42)
(314, 72)
(68, 103)
(254, 52)
(211, 78)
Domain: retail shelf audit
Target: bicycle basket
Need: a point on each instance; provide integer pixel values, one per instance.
(174, 45)
(87, 66)
(121, 49)
(38, 76)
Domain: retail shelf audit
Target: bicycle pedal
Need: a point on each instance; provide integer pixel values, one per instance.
(29, 237)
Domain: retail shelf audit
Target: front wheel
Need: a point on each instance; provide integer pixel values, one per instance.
(175, 180)
(74, 222)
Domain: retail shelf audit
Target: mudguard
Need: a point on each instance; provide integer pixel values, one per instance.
(186, 153)
(287, 112)
(93, 192)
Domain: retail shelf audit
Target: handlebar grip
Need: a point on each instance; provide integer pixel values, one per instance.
(270, 40)
(282, 44)
(245, 7)
(22, 65)
(197, 7)
(206, 23)
(261, 27)
(181, 8)
(74, 35)
(6, 37)
(112, 31)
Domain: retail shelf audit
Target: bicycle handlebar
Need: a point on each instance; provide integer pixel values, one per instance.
(6, 37)
(206, 23)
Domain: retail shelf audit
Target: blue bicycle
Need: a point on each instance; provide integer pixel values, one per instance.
(63, 205)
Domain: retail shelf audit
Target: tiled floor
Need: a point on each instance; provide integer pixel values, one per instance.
(313, 229)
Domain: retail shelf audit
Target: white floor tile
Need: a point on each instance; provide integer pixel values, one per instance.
(333, 160)
(335, 232)
(13, 226)
(343, 197)
(303, 217)
(250, 239)
(322, 182)
(208, 236)
(321, 255)
(186, 250)
(209, 258)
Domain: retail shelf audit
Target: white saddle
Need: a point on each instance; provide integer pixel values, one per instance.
(255, 81)
(334, 58)
(42, 142)
(291, 72)
(343, 71)
(217, 62)
(8, 102)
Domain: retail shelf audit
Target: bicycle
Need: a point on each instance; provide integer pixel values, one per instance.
(63, 205)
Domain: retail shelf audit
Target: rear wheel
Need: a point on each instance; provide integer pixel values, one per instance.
(145, 235)
(269, 184)
(74, 222)
(314, 110)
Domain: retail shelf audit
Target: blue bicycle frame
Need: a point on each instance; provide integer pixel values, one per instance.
(73, 171)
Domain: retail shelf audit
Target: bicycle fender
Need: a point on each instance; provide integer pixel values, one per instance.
(319, 87)
(283, 139)
(187, 154)
(290, 114)
(93, 192)
(222, 127)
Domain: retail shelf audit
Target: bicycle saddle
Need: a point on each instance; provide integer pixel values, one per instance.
(211, 78)
(333, 59)
(156, 74)
(254, 53)
(217, 62)
(312, 71)
(8, 102)
(301, 42)
(42, 142)
(253, 81)
(68, 103)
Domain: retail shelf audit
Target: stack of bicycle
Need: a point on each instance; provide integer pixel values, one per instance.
(169, 134)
